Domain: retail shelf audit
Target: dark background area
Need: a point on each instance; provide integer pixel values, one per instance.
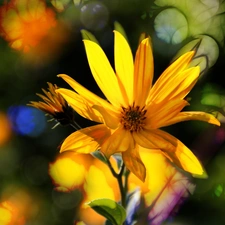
(32, 144)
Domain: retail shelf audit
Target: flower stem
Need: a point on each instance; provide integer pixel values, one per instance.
(122, 186)
(122, 183)
(75, 125)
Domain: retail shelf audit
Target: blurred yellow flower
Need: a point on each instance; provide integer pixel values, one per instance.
(135, 109)
(82, 171)
(68, 171)
(10, 214)
(6, 126)
(24, 23)
(18, 206)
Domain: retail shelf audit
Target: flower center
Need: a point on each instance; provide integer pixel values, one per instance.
(133, 118)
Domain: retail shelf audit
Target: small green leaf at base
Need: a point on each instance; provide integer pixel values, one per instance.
(98, 155)
(88, 36)
(108, 208)
(119, 28)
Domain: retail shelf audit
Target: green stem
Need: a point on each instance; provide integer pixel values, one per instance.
(75, 125)
(127, 173)
(122, 186)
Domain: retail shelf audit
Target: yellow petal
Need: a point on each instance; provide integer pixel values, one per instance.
(110, 118)
(134, 163)
(173, 149)
(178, 86)
(172, 71)
(184, 116)
(120, 141)
(104, 74)
(158, 114)
(86, 140)
(143, 72)
(181, 154)
(80, 105)
(124, 65)
(85, 93)
(177, 66)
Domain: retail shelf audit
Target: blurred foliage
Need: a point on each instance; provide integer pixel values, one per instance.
(27, 142)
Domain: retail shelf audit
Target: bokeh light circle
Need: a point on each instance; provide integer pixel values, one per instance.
(171, 26)
(94, 15)
(26, 120)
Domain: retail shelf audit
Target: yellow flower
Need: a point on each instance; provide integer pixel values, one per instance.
(135, 109)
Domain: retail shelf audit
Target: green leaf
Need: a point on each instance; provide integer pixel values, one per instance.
(77, 2)
(108, 208)
(218, 190)
(98, 155)
(60, 4)
(118, 27)
(119, 160)
(88, 36)
(144, 16)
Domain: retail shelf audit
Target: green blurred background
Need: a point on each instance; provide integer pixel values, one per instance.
(27, 142)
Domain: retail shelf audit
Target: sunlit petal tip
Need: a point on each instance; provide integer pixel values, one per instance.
(214, 121)
(58, 90)
(121, 36)
(64, 147)
(189, 54)
(194, 72)
(146, 41)
(115, 31)
(197, 69)
(134, 163)
(196, 169)
(86, 42)
(142, 176)
(202, 175)
(63, 76)
(185, 58)
(63, 150)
